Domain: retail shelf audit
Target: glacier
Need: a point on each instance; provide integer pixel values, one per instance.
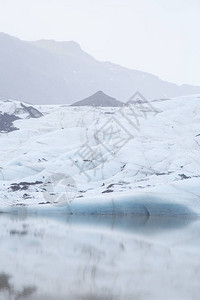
(122, 160)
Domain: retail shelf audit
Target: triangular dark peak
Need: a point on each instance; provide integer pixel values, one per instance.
(99, 99)
(137, 98)
(100, 93)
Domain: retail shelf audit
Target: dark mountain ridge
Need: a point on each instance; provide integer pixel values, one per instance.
(50, 72)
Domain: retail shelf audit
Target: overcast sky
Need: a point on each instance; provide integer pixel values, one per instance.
(157, 36)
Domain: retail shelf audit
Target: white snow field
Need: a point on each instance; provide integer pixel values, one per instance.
(140, 159)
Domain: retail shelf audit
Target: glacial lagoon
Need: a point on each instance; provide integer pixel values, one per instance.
(90, 257)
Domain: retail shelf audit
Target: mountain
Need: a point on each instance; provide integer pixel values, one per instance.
(50, 72)
(99, 99)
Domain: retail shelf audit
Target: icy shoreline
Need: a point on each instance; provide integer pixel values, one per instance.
(181, 199)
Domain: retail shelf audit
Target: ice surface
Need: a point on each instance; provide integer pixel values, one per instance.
(154, 169)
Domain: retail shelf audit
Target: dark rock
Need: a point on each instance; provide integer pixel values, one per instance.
(183, 176)
(23, 185)
(33, 112)
(107, 191)
(26, 196)
(110, 185)
(17, 232)
(6, 122)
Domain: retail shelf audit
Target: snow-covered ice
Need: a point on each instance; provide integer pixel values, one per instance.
(122, 160)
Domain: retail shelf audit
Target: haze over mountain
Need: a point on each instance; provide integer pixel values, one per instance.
(50, 72)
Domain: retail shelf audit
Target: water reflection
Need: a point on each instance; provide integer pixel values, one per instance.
(142, 224)
(9, 291)
(98, 257)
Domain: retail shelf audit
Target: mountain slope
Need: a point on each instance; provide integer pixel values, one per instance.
(99, 99)
(49, 72)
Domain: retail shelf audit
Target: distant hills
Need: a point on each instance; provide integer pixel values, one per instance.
(99, 99)
(50, 72)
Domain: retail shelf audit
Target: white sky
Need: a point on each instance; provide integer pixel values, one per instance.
(157, 36)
